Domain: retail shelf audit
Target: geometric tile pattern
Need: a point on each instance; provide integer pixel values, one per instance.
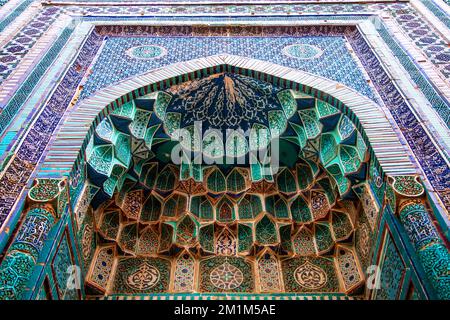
(62, 264)
(392, 272)
(18, 47)
(143, 228)
(230, 213)
(425, 38)
(336, 63)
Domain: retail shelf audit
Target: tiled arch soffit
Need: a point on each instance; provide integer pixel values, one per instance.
(382, 132)
(390, 152)
(386, 131)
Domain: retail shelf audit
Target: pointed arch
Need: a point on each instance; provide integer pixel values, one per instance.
(148, 242)
(344, 99)
(266, 231)
(303, 242)
(236, 181)
(249, 207)
(226, 244)
(215, 181)
(269, 272)
(225, 210)
(175, 205)
(313, 205)
(184, 273)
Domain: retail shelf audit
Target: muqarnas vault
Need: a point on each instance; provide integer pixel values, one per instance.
(351, 99)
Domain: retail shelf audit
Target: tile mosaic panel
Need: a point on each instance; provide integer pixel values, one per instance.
(318, 54)
(226, 274)
(310, 274)
(18, 47)
(28, 154)
(425, 37)
(14, 14)
(114, 62)
(150, 275)
(63, 270)
(392, 272)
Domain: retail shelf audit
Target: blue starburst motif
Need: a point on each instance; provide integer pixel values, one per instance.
(225, 101)
(147, 52)
(302, 51)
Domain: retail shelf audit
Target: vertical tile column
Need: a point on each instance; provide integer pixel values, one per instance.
(47, 200)
(406, 194)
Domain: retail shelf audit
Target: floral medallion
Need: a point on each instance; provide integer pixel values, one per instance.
(310, 276)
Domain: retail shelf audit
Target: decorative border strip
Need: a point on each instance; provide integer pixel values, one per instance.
(20, 167)
(23, 93)
(430, 159)
(15, 48)
(197, 2)
(27, 86)
(13, 15)
(437, 11)
(228, 296)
